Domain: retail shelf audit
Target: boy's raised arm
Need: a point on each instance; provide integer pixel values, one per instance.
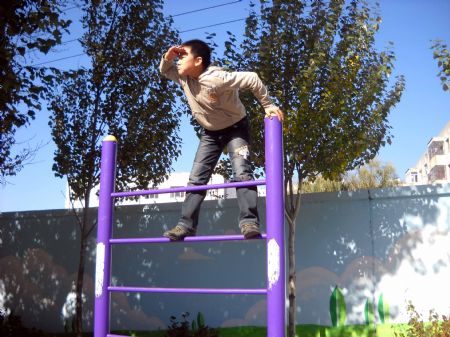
(166, 67)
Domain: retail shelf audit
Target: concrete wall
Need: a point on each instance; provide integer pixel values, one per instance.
(392, 242)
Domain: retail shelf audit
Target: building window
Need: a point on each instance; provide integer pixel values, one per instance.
(437, 173)
(435, 148)
(177, 194)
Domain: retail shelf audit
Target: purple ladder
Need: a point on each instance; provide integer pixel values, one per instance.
(276, 279)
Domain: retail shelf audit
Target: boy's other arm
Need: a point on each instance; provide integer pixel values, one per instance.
(251, 81)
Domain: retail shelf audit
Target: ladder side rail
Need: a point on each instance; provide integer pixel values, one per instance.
(104, 227)
(276, 277)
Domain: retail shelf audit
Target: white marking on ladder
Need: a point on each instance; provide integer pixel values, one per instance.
(99, 269)
(273, 257)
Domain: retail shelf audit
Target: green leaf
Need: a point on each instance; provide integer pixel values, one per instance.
(200, 320)
(383, 309)
(337, 308)
(369, 315)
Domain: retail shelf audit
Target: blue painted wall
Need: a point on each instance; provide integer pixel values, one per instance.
(392, 242)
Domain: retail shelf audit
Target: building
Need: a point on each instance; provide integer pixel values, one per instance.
(175, 179)
(434, 165)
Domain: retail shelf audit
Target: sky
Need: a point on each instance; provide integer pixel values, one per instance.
(421, 114)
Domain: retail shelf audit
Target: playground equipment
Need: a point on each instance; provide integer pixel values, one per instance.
(275, 291)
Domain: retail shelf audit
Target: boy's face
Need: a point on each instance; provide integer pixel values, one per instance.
(188, 64)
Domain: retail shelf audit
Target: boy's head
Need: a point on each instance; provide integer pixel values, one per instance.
(199, 49)
(195, 60)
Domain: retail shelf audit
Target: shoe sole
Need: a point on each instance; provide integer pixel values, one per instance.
(252, 235)
(176, 238)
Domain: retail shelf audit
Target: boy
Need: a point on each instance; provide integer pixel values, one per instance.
(212, 94)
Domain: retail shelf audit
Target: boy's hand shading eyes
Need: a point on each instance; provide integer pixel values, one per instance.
(173, 52)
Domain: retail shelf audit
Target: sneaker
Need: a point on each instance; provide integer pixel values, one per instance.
(179, 233)
(250, 231)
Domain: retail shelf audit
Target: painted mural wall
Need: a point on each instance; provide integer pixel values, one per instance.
(360, 256)
(382, 248)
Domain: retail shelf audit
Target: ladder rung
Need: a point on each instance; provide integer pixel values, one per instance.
(191, 188)
(257, 291)
(186, 239)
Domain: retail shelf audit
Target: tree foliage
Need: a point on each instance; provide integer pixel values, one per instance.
(26, 26)
(321, 67)
(122, 94)
(441, 54)
(374, 174)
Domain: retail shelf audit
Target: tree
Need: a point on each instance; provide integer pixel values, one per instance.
(26, 26)
(320, 184)
(374, 174)
(322, 69)
(122, 94)
(440, 52)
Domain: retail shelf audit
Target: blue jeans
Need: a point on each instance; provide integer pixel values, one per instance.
(237, 140)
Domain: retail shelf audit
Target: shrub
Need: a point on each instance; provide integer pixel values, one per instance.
(184, 329)
(12, 326)
(436, 326)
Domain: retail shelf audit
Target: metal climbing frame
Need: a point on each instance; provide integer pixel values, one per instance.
(275, 291)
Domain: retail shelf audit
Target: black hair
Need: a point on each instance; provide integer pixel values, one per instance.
(200, 49)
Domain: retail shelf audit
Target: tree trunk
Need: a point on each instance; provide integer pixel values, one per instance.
(292, 277)
(292, 210)
(291, 280)
(79, 287)
(80, 276)
(85, 228)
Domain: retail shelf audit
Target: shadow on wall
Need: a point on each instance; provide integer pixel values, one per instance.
(39, 260)
(368, 244)
(35, 276)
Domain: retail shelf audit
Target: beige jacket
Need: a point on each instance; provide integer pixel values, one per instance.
(214, 97)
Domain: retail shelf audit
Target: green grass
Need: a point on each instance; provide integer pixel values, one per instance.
(244, 331)
(247, 331)
(381, 330)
